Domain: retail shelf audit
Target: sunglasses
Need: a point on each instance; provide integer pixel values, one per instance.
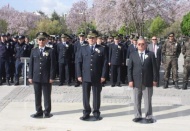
(41, 39)
(141, 44)
(171, 36)
(154, 39)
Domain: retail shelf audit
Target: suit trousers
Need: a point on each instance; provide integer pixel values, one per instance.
(64, 73)
(115, 74)
(96, 90)
(46, 89)
(147, 93)
(158, 71)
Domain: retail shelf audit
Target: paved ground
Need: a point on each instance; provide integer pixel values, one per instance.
(171, 109)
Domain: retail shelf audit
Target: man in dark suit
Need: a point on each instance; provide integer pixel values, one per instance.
(92, 59)
(116, 60)
(157, 49)
(64, 51)
(142, 76)
(42, 69)
(77, 46)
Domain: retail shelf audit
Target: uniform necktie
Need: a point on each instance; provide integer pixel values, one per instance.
(142, 58)
(41, 52)
(91, 49)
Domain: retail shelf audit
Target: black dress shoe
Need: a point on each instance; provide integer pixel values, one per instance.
(47, 115)
(149, 120)
(77, 84)
(68, 83)
(85, 117)
(37, 115)
(97, 118)
(112, 85)
(17, 83)
(8, 83)
(137, 119)
(60, 84)
(119, 85)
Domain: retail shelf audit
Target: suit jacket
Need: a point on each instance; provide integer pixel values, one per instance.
(64, 53)
(77, 47)
(116, 54)
(42, 69)
(142, 74)
(158, 54)
(130, 50)
(93, 65)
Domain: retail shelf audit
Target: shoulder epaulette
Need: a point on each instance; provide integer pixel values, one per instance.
(84, 45)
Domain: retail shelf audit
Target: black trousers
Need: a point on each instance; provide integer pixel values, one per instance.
(123, 73)
(64, 73)
(96, 90)
(115, 74)
(46, 89)
(4, 66)
(158, 71)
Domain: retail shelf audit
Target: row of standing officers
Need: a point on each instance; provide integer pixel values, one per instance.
(118, 52)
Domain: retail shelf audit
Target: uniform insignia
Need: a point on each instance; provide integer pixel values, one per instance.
(176, 44)
(146, 56)
(45, 53)
(119, 47)
(97, 50)
(66, 45)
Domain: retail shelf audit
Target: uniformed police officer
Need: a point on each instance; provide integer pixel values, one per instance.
(64, 58)
(21, 50)
(171, 50)
(92, 59)
(186, 70)
(116, 60)
(12, 44)
(42, 69)
(77, 46)
(4, 59)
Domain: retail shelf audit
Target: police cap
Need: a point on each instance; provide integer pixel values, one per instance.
(21, 37)
(42, 35)
(92, 34)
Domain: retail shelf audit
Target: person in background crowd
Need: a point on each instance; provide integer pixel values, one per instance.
(77, 46)
(171, 50)
(4, 59)
(186, 69)
(116, 60)
(21, 50)
(157, 49)
(64, 58)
